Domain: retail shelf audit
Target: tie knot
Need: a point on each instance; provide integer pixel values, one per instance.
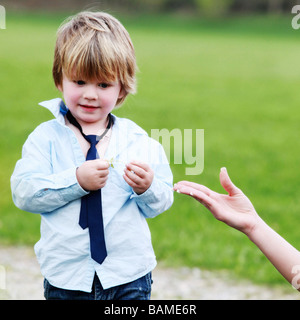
(92, 139)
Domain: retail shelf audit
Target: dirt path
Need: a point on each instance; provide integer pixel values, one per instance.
(20, 275)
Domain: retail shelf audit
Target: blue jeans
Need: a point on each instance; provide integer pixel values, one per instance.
(139, 289)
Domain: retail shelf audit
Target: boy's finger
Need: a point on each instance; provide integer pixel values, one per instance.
(133, 176)
(141, 165)
(134, 169)
(101, 164)
(103, 173)
(130, 179)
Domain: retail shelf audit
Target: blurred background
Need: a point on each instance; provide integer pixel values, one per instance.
(230, 67)
(203, 7)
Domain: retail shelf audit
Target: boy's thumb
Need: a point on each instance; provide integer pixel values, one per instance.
(227, 183)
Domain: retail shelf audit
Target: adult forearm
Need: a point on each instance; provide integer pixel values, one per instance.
(284, 257)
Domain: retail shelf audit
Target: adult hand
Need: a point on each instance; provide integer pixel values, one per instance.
(235, 209)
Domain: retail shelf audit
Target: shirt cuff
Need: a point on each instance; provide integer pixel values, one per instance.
(149, 195)
(70, 189)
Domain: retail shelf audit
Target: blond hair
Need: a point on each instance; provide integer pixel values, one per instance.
(95, 45)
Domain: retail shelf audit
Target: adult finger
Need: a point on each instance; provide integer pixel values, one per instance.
(227, 183)
(195, 186)
(197, 194)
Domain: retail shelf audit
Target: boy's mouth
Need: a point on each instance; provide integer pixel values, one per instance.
(88, 107)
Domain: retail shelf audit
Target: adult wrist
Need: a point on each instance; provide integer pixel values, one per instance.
(256, 233)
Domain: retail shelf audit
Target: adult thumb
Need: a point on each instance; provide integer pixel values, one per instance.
(227, 183)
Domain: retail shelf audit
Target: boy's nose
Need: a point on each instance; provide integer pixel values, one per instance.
(90, 93)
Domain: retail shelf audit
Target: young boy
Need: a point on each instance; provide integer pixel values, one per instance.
(95, 242)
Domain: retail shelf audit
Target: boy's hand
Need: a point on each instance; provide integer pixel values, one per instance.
(139, 176)
(92, 174)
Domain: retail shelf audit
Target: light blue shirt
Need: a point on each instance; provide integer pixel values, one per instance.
(44, 181)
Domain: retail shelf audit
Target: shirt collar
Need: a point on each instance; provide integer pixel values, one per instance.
(56, 107)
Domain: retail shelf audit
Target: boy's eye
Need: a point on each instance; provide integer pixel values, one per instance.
(79, 82)
(103, 85)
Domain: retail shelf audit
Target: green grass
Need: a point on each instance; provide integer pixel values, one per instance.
(236, 78)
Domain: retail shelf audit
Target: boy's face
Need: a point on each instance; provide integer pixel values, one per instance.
(90, 101)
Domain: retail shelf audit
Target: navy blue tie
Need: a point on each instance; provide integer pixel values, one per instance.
(91, 206)
(91, 211)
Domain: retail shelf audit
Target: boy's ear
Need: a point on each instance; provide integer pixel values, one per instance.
(59, 87)
(122, 93)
